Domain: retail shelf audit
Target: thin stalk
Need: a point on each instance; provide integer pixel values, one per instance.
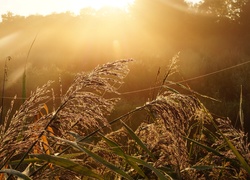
(241, 115)
(111, 122)
(169, 71)
(25, 70)
(94, 132)
(41, 134)
(24, 98)
(5, 74)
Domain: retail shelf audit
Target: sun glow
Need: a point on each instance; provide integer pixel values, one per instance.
(194, 1)
(99, 4)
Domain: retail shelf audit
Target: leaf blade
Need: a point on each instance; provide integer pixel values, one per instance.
(205, 147)
(118, 151)
(15, 173)
(97, 158)
(137, 139)
(67, 164)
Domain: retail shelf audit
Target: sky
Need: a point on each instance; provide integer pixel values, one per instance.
(26, 7)
(44, 7)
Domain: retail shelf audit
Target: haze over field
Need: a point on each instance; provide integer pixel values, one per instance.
(45, 7)
(151, 32)
(125, 89)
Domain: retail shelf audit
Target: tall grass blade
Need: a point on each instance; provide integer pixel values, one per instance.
(238, 155)
(115, 147)
(35, 160)
(137, 140)
(156, 171)
(25, 161)
(118, 151)
(97, 158)
(105, 163)
(67, 164)
(15, 173)
(241, 115)
(25, 70)
(243, 162)
(134, 160)
(205, 147)
(24, 86)
(204, 167)
(5, 75)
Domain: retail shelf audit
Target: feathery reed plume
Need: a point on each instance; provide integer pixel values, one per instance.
(83, 108)
(173, 114)
(183, 140)
(20, 134)
(239, 140)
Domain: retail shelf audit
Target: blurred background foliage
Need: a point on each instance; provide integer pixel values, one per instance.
(210, 36)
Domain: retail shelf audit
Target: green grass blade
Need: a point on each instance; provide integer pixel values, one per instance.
(114, 146)
(97, 158)
(241, 115)
(156, 171)
(235, 151)
(24, 87)
(35, 160)
(137, 140)
(204, 167)
(15, 173)
(132, 160)
(106, 163)
(205, 147)
(25, 161)
(237, 154)
(73, 155)
(67, 164)
(118, 151)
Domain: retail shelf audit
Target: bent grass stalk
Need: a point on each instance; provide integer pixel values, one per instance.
(5, 74)
(25, 70)
(159, 149)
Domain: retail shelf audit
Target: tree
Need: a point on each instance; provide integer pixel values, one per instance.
(245, 14)
(10, 17)
(224, 8)
(7, 17)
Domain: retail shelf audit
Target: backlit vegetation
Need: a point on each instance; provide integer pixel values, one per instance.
(74, 139)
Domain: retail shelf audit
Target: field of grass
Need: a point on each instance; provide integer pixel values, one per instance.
(73, 137)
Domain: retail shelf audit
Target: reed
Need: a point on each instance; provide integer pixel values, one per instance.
(75, 140)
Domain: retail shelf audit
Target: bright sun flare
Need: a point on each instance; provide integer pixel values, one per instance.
(98, 4)
(194, 1)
